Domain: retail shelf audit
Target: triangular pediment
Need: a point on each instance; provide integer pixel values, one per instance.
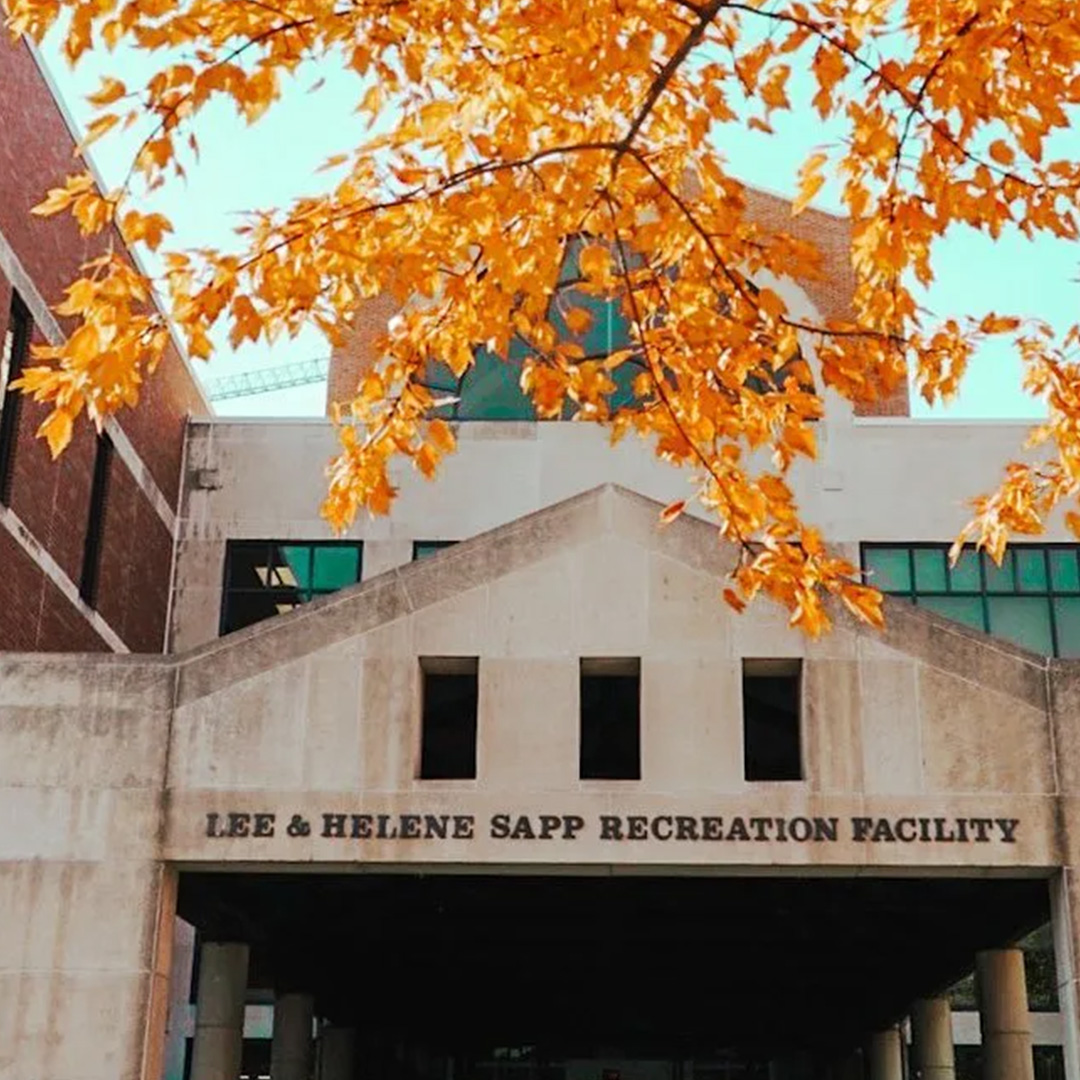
(608, 558)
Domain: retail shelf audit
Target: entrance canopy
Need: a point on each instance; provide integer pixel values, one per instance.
(580, 965)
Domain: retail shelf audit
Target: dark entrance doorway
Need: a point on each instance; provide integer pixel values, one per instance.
(517, 977)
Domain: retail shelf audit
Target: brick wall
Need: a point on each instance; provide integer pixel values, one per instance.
(831, 294)
(349, 360)
(132, 592)
(52, 499)
(35, 616)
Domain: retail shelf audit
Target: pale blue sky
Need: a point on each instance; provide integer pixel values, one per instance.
(268, 164)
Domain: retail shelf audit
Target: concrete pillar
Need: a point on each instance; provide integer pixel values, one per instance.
(1003, 1015)
(219, 1012)
(884, 1056)
(932, 1055)
(290, 1048)
(337, 1049)
(176, 1026)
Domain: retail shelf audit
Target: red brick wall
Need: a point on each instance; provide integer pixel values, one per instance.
(132, 592)
(53, 499)
(35, 616)
(353, 356)
(831, 294)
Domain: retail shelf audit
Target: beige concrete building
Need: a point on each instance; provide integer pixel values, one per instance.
(498, 789)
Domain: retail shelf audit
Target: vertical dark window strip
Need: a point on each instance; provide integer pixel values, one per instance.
(95, 524)
(17, 346)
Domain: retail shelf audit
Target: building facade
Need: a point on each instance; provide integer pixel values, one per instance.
(497, 788)
(73, 579)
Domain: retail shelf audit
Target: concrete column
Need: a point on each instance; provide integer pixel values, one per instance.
(1003, 1015)
(932, 1055)
(885, 1058)
(337, 1049)
(290, 1048)
(219, 1012)
(176, 1030)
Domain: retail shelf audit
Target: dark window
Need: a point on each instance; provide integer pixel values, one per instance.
(95, 522)
(268, 577)
(1040, 970)
(1032, 599)
(1049, 1063)
(421, 549)
(610, 719)
(968, 1062)
(772, 745)
(13, 353)
(448, 724)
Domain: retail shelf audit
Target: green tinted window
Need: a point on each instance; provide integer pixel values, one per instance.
(421, 549)
(1000, 578)
(294, 566)
(1063, 570)
(930, 570)
(1023, 620)
(964, 576)
(1032, 599)
(889, 569)
(268, 577)
(335, 567)
(1031, 569)
(962, 609)
(490, 389)
(1067, 620)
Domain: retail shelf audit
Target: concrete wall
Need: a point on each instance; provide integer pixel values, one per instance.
(876, 480)
(109, 768)
(87, 904)
(324, 708)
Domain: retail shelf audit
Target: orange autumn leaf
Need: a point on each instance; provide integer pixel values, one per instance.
(672, 511)
(56, 428)
(441, 436)
(1002, 152)
(111, 90)
(811, 181)
(578, 320)
(595, 262)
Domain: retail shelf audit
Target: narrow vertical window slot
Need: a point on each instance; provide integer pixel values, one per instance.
(772, 736)
(13, 352)
(95, 523)
(450, 695)
(610, 732)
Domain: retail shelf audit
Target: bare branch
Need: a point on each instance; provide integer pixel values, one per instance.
(706, 13)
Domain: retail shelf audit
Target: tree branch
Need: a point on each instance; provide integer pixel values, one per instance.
(908, 97)
(705, 15)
